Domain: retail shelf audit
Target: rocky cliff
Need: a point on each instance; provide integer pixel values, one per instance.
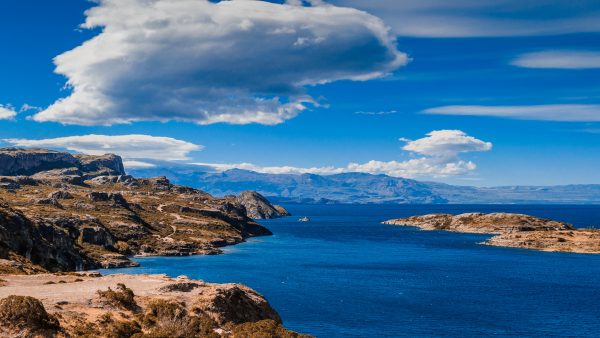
(512, 230)
(17, 161)
(258, 207)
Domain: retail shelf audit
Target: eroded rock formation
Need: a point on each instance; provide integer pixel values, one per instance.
(18, 161)
(258, 207)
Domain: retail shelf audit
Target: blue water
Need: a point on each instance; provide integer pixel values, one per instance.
(346, 275)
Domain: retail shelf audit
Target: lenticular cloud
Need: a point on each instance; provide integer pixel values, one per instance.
(239, 61)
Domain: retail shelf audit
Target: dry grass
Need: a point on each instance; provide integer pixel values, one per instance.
(171, 319)
(264, 329)
(26, 313)
(123, 297)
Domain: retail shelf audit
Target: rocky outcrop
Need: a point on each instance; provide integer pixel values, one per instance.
(91, 305)
(105, 165)
(258, 207)
(512, 230)
(283, 212)
(19, 161)
(16, 161)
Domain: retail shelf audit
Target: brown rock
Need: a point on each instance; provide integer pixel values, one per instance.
(258, 207)
(512, 230)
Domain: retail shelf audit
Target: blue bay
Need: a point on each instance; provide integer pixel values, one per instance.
(346, 275)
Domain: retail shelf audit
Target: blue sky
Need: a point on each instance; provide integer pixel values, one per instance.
(465, 56)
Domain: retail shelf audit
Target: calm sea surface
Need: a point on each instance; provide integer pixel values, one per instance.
(346, 275)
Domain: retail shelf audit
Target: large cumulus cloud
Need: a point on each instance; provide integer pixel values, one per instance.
(240, 61)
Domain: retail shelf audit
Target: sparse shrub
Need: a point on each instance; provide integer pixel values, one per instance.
(170, 319)
(267, 328)
(112, 328)
(122, 247)
(123, 297)
(180, 287)
(26, 313)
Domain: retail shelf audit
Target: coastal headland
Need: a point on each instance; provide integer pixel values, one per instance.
(64, 214)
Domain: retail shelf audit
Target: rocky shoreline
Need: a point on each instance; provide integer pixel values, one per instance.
(512, 230)
(61, 213)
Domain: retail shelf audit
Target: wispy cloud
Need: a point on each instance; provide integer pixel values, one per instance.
(208, 62)
(439, 152)
(126, 146)
(133, 164)
(483, 18)
(383, 112)
(559, 60)
(552, 112)
(7, 112)
(28, 107)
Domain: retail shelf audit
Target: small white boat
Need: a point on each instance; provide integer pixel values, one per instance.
(304, 219)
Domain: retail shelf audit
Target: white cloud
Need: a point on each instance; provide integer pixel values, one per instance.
(376, 113)
(440, 150)
(483, 18)
(239, 61)
(28, 107)
(7, 112)
(446, 143)
(132, 164)
(559, 60)
(273, 169)
(126, 146)
(551, 112)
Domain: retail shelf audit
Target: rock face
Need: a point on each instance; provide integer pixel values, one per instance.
(79, 305)
(105, 165)
(258, 207)
(18, 161)
(68, 219)
(512, 230)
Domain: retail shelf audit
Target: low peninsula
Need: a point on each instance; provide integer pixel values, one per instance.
(512, 230)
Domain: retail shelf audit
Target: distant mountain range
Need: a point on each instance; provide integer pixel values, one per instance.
(364, 188)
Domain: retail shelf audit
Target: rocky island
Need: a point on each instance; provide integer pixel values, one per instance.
(512, 230)
(62, 214)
